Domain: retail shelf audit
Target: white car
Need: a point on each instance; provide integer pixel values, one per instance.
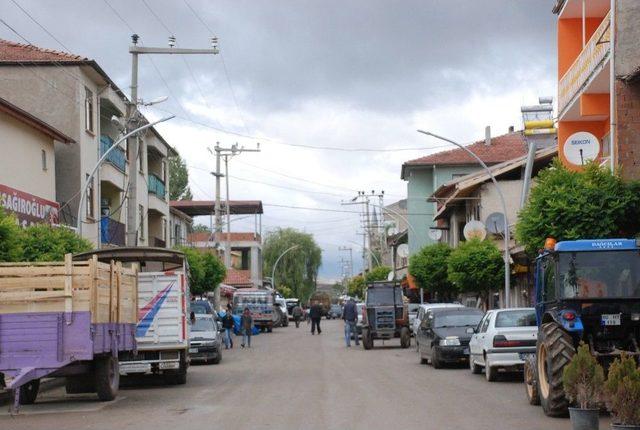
(422, 310)
(502, 341)
(413, 313)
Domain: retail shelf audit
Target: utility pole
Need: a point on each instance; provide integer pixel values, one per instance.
(134, 117)
(363, 199)
(348, 248)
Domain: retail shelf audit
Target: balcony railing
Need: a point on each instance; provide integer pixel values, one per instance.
(117, 157)
(112, 232)
(156, 186)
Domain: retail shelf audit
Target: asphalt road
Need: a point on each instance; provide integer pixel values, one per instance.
(292, 380)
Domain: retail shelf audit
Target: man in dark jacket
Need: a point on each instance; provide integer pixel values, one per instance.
(350, 317)
(227, 325)
(315, 313)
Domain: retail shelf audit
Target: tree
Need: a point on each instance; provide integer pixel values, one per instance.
(10, 246)
(355, 286)
(378, 273)
(285, 291)
(476, 267)
(298, 268)
(42, 242)
(206, 271)
(567, 205)
(429, 268)
(179, 179)
(201, 228)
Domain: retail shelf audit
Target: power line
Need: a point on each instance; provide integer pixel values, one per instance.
(39, 25)
(157, 17)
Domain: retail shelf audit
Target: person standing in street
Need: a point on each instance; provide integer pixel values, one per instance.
(246, 325)
(350, 317)
(296, 312)
(227, 324)
(315, 313)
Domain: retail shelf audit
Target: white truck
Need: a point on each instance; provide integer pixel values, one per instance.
(162, 332)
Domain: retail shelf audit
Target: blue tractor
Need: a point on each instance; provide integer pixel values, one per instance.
(586, 291)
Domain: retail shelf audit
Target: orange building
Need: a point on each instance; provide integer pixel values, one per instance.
(598, 70)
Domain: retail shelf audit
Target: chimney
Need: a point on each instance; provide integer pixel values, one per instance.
(487, 135)
(511, 129)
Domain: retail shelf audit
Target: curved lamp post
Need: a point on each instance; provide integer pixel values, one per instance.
(101, 160)
(273, 271)
(507, 267)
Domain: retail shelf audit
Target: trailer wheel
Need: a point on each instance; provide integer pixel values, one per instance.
(554, 351)
(367, 340)
(107, 377)
(530, 382)
(405, 337)
(29, 392)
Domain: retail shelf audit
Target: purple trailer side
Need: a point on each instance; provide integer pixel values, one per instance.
(33, 345)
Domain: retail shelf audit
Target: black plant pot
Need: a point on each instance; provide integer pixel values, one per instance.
(584, 419)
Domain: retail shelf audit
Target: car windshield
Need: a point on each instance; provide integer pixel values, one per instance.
(519, 318)
(199, 308)
(457, 319)
(203, 324)
(383, 296)
(611, 274)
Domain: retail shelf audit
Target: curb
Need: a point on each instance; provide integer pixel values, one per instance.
(47, 384)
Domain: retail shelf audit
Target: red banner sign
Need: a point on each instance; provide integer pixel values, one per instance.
(29, 209)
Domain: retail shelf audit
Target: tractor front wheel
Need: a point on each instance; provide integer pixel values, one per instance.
(367, 340)
(405, 338)
(554, 351)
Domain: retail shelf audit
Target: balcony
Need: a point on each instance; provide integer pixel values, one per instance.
(112, 232)
(117, 157)
(159, 243)
(156, 186)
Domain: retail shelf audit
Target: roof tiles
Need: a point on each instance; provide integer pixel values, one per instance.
(18, 52)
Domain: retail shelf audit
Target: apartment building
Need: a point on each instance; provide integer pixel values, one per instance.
(76, 96)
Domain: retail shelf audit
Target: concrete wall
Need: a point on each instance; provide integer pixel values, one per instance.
(23, 170)
(627, 49)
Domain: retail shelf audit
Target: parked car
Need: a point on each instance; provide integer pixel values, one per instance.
(201, 307)
(205, 340)
(335, 312)
(444, 336)
(502, 340)
(422, 310)
(291, 303)
(413, 313)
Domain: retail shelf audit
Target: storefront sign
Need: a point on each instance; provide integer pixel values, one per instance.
(583, 67)
(28, 208)
(580, 148)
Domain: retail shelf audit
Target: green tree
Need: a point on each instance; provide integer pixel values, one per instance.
(298, 268)
(355, 286)
(10, 246)
(206, 271)
(378, 273)
(476, 267)
(42, 242)
(567, 205)
(199, 228)
(429, 268)
(285, 291)
(179, 179)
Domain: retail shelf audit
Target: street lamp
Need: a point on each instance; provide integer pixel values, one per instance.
(507, 268)
(101, 160)
(273, 271)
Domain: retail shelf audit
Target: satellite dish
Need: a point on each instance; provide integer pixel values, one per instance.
(495, 223)
(474, 230)
(390, 276)
(403, 250)
(435, 234)
(392, 231)
(580, 148)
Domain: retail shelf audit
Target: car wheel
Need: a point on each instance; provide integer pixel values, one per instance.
(475, 369)
(491, 373)
(435, 360)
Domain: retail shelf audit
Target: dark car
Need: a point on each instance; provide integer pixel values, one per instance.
(444, 335)
(335, 312)
(200, 307)
(205, 340)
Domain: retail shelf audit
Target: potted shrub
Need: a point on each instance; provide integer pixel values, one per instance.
(583, 379)
(622, 393)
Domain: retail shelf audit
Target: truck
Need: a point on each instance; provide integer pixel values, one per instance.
(324, 299)
(65, 319)
(163, 316)
(585, 291)
(385, 315)
(259, 302)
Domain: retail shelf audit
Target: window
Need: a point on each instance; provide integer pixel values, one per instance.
(88, 109)
(44, 160)
(549, 271)
(164, 228)
(90, 194)
(484, 324)
(178, 234)
(140, 156)
(520, 318)
(141, 225)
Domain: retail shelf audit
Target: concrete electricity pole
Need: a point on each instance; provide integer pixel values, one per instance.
(350, 249)
(133, 118)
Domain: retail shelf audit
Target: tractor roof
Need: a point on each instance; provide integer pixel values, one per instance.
(597, 245)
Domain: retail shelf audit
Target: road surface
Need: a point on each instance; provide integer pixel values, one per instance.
(292, 380)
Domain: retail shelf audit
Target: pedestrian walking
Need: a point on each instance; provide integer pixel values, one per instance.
(296, 313)
(350, 317)
(315, 313)
(246, 325)
(228, 324)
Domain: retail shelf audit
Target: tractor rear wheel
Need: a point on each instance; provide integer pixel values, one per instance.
(554, 351)
(405, 338)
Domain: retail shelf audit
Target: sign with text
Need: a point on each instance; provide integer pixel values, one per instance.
(29, 209)
(580, 148)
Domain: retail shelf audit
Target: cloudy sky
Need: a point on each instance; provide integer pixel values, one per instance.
(297, 74)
